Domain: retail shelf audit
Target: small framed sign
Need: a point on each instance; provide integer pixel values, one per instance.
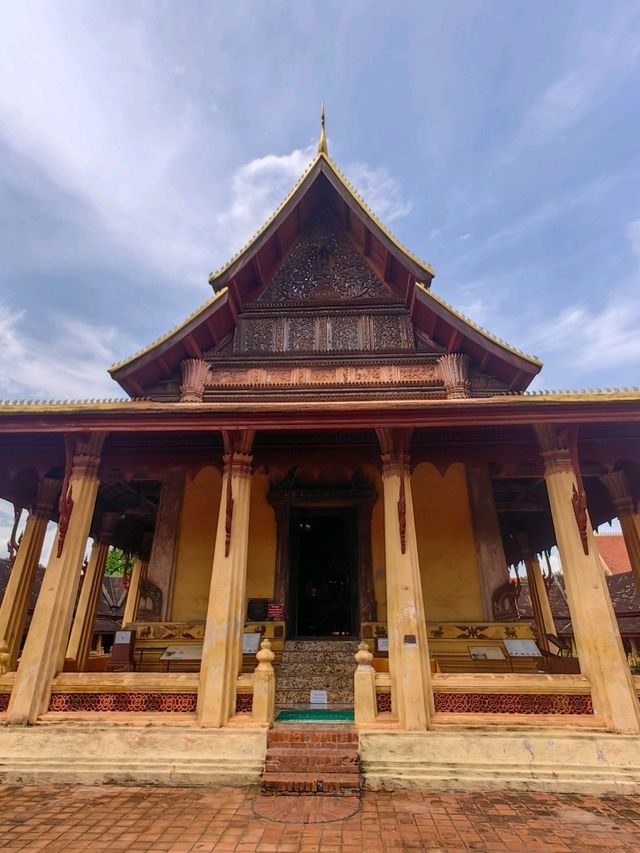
(122, 638)
(318, 697)
(383, 644)
(486, 652)
(250, 643)
(522, 648)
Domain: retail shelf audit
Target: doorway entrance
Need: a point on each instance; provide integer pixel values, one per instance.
(323, 581)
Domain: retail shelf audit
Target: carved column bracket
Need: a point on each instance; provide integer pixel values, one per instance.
(454, 370)
(196, 375)
(616, 485)
(237, 460)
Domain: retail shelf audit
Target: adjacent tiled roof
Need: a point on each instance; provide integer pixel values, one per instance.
(110, 606)
(613, 552)
(624, 596)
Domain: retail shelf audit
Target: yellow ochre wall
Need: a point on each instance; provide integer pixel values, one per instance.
(196, 541)
(444, 530)
(262, 541)
(377, 545)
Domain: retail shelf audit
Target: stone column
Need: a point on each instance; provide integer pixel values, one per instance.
(165, 540)
(15, 604)
(492, 563)
(542, 614)
(618, 488)
(409, 666)
(221, 653)
(138, 572)
(600, 651)
(454, 372)
(264, 686)
(85, 616)
(365, 703)
(44, 649)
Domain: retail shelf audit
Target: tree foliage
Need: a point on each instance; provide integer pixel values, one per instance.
(115, 562)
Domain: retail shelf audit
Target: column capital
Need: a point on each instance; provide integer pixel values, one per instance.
(617, 486)
(394, 444)
(558, 448)
(48, 494)
(196, 375)
(86, 454)
(454, 372)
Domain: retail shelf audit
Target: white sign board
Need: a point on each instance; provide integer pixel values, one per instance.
(318, 697)
(122, 637)
(383, 644)
(522, 648)
(250, 643)
(486, 652)
(190, 652)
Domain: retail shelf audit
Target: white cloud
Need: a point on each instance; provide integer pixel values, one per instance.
(106, 126)
(259, 186)
(70, 363)
(605, 58)
(591, 338)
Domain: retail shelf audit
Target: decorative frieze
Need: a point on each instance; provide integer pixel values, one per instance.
(325, 375)
(196, 375)
(454, 372)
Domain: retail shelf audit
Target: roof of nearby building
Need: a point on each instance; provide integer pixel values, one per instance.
(624, 597)
(110, 606)
(613, 551)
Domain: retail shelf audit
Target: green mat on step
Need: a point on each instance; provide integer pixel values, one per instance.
(315, 715)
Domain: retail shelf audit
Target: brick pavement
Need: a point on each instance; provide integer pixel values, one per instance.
(142, 819)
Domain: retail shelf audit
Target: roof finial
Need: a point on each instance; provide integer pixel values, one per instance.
(323, 148)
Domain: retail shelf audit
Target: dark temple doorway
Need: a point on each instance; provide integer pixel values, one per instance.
(323, 557)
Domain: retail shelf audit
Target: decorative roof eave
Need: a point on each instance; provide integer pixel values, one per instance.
(562, 407)
(121, 369)
(321, 163)
(521, 364)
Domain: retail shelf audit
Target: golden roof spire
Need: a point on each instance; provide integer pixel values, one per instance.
(323, 148)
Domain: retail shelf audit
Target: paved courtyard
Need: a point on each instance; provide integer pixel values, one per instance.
(73, 818)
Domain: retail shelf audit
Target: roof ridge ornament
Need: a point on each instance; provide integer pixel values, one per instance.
(323, 148)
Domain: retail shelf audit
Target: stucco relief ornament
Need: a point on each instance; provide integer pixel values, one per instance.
(579, 502)
(65, 504)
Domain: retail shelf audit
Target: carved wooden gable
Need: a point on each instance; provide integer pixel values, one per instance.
(325, 267)
(324, 299)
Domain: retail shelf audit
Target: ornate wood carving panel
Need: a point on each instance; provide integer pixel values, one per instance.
(324, 265)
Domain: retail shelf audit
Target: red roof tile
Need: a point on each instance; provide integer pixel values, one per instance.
(613, 552)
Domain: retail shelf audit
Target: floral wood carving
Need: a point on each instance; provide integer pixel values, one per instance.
(324, 265)
(14, 544)
(65, 504)
(402, 515)
(228, 521)
(579, 503)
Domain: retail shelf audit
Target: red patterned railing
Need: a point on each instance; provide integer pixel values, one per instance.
(383, 702)
(130, 702)
(244, 703)
(513, 703)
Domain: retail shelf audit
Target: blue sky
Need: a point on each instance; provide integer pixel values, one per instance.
(142, 143)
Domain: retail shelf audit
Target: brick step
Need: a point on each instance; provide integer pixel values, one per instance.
(310, 783)
(329, 736)
(312, 761)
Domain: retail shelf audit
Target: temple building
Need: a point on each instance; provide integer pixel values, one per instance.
(320, 481)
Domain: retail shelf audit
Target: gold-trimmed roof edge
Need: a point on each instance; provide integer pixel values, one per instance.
(484, 332)
(217, 295)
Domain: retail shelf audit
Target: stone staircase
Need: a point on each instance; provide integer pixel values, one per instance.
(316, 665)
(308, 759)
